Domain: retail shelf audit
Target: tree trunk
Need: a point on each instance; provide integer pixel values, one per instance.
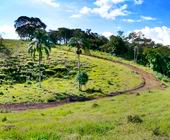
(39, 63)
(79, 70)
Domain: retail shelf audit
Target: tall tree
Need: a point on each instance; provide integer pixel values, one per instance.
(34, 29)
(40, 44)
(65, 34)
(54, 36)
(26, 26)
(77, 42)
(116, 45)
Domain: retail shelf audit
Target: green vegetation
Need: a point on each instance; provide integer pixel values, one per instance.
(136, 116)
(76, 42)
(131, 47)
(59, 81)
(82, 78)
(143, 115)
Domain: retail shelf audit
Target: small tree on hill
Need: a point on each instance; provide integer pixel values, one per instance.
(82, 78)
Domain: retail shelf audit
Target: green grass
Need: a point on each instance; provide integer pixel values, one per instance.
(104, 77)
(108, 56)
(103, 119)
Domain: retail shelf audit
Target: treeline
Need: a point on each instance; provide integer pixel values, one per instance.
(133, 47)
(90, 40)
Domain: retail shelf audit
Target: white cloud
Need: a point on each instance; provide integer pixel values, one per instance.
(138, 2)
(107, 2)
(130, 20)
(85, 10)
(108, 9)
(147, 18)
(158, 34)
(76, 16)
(142, 18)
(107, 34)
(8, 32)
(51, 3)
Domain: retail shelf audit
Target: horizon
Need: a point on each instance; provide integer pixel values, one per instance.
(115, 15)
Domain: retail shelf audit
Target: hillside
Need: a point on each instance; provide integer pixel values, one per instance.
(138, 116)
(19, 76)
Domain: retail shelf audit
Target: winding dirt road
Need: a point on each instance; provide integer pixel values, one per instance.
(149, 82)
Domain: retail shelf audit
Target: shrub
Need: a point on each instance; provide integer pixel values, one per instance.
(2, 76)
(95, 105)
(49, 72)
(134, 119)
(4, 119)
(93, 90)
(4, 111)
(51, 99)
(156, 131)
(82, 78)
(60, 69)
(1, 93)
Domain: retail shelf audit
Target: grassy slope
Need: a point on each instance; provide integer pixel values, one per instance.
(103, 119)
(104, 76)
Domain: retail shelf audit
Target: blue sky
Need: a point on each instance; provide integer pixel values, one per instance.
(102, 16)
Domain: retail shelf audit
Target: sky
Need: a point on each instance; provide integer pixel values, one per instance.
(105, 17)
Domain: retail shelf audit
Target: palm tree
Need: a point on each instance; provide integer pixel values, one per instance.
(78, 43)
(40, 44)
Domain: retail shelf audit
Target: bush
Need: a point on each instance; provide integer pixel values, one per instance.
(134, 119)
(156, 131)
(2, 76)
(82, 78)
(4, 119)
(1, 93)
(4, 111)
(51, 99)
(93, 90)
(49, 72)
(95, 105)
(60, 69)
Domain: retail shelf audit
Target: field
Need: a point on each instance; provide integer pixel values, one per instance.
(143, 115)
(102, 119)
(60, 72)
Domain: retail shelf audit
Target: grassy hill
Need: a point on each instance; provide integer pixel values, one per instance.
(20, 73)
(137, 116)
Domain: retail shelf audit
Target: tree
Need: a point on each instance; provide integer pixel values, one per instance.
(34, 29)
(1, 40)
(116, 45)
(40, 44)
(77, 42)
(82, 78)
(26, 26)
(120, 34)
(65, 34)
(54, 36)
(158, 59)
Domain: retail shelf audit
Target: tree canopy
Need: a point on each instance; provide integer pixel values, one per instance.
(26, 26)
